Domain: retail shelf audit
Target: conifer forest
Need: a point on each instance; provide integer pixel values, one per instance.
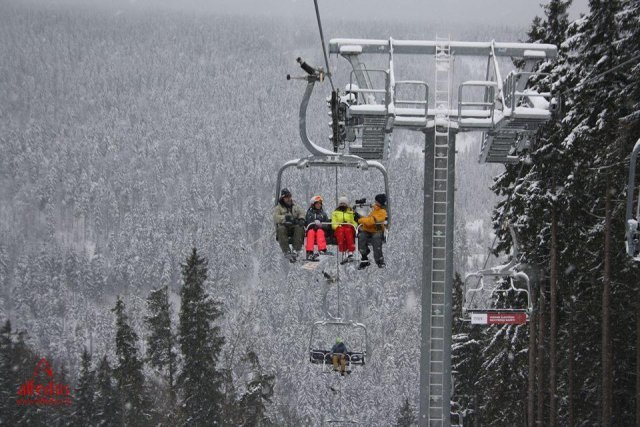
(141, 283)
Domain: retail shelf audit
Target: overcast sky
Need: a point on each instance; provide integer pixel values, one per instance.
(493, 12)
(489, 11)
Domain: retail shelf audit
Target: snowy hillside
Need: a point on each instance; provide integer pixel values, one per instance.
(130, 137)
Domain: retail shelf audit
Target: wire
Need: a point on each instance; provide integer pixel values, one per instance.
(337, 251)
(597, 76)
(506, 208)
(324, 49)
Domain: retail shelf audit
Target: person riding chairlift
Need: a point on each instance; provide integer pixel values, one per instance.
(372, 232)
(339, 357)
(315, 229)
(289, 219)
(344, 227)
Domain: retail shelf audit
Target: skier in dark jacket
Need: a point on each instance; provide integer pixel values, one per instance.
(339, 356)
(314, 220)
(288, 217)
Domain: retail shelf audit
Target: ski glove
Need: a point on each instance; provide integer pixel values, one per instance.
(288, 218)
(318, 223)
(301, 222)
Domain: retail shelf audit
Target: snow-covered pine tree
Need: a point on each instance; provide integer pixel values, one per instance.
(503, 375)
(128, 372)
(8, 381)
(4, 271)
(61, 414)
(534, 205)
(253, 403)
(466, 355)
(23, 360)
(555, 25)
(200, 344)
(161, 340)
(630, 132)
(596, 118)
(107, 400)
(407, 415)
(85, 392)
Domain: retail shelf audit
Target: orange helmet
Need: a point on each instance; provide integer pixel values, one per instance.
(315, 199)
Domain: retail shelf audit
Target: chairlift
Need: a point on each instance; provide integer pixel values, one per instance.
(500, 295)
(322, 157)
(336, 160)
(632, 238)
(323, 335)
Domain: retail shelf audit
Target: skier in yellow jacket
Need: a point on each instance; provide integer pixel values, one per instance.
(344, 228)
(372, 232)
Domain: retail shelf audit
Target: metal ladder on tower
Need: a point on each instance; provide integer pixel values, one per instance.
(438, 389)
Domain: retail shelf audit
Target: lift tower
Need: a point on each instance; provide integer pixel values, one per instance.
(508, 114)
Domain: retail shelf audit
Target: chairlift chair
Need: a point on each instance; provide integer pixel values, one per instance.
(322, 157)
(494, 302)
(632, 244)
(323, 332)
(336, 160)
(498, 302)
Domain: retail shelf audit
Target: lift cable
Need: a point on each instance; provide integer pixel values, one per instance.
(337, 257)
(507, 203)
(324, 49)
(597, 76)
(495, 239)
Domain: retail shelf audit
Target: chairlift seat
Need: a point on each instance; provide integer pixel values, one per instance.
(486, 303)
(318, 356)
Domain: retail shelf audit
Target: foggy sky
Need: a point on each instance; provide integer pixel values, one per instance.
(493, 12)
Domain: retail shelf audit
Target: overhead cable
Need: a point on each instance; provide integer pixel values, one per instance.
(324, 49)
(597, 76)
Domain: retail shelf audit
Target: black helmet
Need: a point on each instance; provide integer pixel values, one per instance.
(382, 199)
(285, 192)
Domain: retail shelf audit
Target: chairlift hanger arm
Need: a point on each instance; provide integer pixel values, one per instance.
(313, 76)
(339, 322)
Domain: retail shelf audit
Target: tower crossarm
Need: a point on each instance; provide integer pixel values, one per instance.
(427, 47)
